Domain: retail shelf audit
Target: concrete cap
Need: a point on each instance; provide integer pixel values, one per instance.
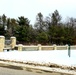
(39, 44)
(13, 37)
(20, 45)
(1, 36)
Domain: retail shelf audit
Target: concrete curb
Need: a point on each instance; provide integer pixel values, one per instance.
(43, 68)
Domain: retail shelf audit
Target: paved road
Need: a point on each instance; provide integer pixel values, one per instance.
(13, 70)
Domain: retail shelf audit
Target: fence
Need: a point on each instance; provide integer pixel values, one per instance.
(38, 47)
(11, 44)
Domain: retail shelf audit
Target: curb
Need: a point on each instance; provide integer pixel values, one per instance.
(43, 68)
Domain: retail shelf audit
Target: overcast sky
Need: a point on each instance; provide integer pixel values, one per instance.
(30, 8)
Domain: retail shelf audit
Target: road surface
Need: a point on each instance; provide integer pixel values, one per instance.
(14, 70)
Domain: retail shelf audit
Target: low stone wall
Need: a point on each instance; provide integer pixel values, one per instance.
(39, 47)
(21, 47)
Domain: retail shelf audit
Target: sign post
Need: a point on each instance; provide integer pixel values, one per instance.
(69, 53)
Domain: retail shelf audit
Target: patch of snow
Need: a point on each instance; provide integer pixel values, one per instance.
(59, 57)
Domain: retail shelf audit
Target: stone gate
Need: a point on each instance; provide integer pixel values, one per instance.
(7, 44)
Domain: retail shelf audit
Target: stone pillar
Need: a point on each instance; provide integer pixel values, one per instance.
(2, 43)
(55, 47)
(13, 42)
(39, 47)
(20, 47)
(67, 46)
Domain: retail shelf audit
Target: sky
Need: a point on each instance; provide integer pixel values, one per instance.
(30, 8)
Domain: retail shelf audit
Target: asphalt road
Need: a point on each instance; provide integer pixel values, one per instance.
(14, 70)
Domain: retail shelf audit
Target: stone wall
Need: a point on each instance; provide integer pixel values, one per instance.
(4, 46)
(39, 47)
(2, 43)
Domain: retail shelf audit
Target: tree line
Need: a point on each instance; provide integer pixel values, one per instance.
(48, 30)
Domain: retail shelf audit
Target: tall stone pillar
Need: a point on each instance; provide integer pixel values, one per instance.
(13, 42)
(2, 43)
